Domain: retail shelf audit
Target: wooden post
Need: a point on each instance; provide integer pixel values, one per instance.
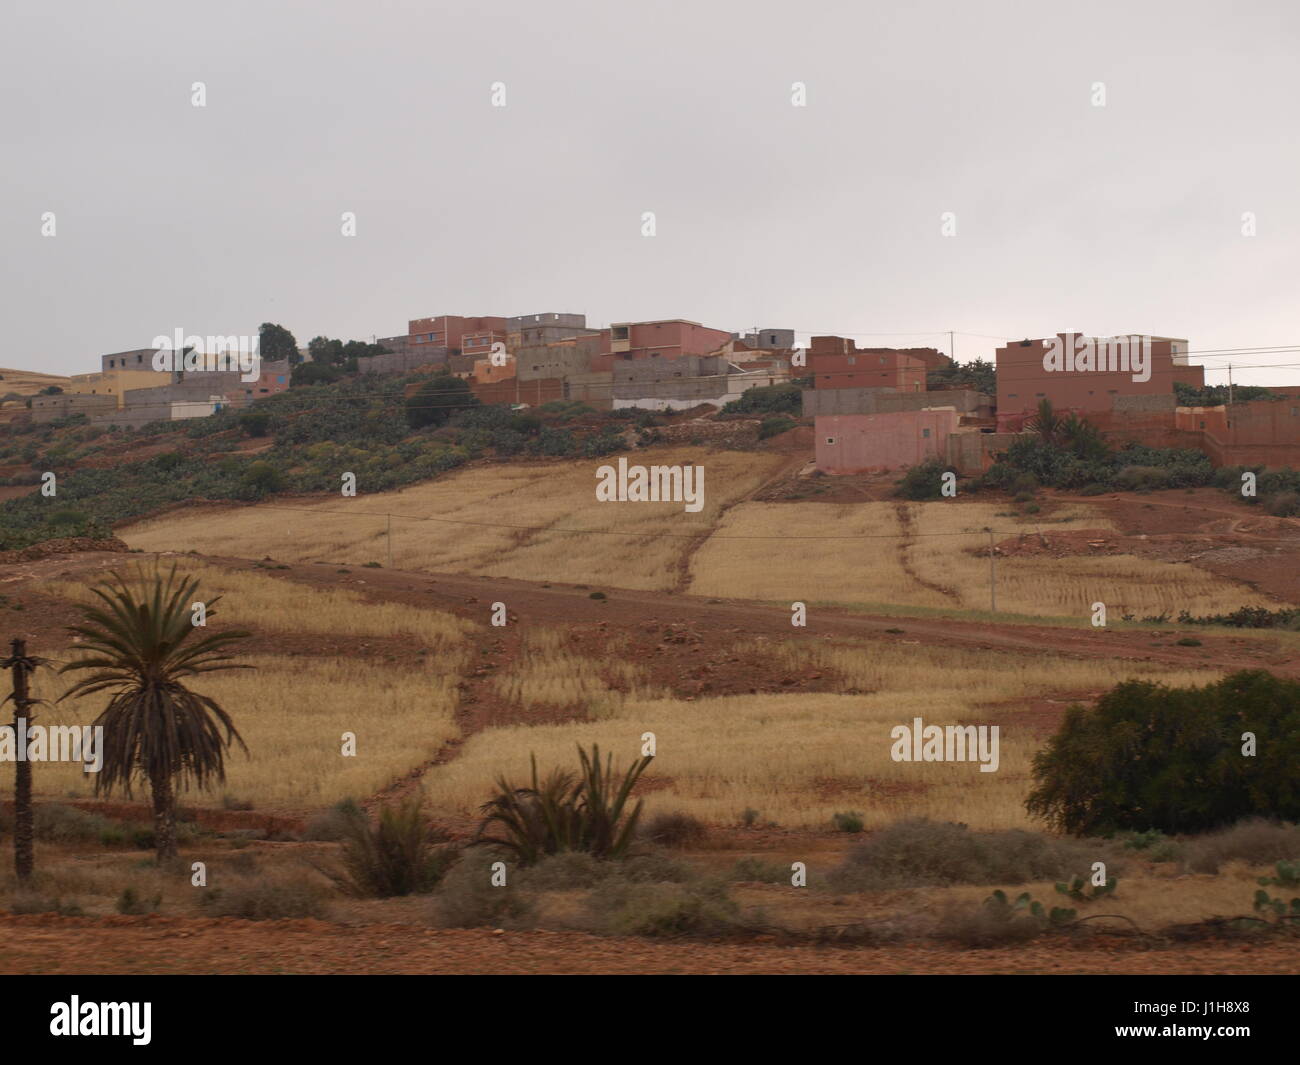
(993, 577)
(24, 832)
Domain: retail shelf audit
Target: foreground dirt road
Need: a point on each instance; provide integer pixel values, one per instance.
(45, 944)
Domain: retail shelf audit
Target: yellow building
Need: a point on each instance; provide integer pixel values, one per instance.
(115, 383)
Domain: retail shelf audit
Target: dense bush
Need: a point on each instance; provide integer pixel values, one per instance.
(773, 399)
(918, 852)
(393, 855)
(775, 425)
(1154, 757)
(922, 482)
(437, 400)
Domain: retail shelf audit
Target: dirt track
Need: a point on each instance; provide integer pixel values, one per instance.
(164, 945)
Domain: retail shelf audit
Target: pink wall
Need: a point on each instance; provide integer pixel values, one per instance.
(863, 442)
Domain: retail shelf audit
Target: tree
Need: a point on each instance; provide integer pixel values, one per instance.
(1082, 437)
(313, 373)
(275, 343)
(1174, 759)
(437, 401)
(978, 375)
(261, 479)
(1046, 423)
(140, 644)
(22, 666)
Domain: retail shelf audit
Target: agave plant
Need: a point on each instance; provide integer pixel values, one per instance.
(140, 644)
(585, 811)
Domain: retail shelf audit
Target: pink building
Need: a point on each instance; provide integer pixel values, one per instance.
(859, 443)
(461, 336)
(671, 338)
(273, 378)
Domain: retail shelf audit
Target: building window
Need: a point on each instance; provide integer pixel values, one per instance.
(1040, 395)
(853, 360)
(830, 440)
(925, 434)
(1011, 395)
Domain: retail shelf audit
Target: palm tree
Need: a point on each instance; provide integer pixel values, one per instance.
(1046, 423)
(140, 644)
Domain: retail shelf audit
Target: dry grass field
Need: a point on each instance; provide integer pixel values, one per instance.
(935, 555)
(799, 758)
(549, 675)
(251, 600)
(513, 521)
(500, 521)
(292, 713)
(292, 710)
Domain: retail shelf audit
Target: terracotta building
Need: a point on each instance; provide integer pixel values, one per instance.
(1086, 374)
(837, 362)
(461, 336)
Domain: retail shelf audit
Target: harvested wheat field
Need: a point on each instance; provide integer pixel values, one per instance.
(536, 521)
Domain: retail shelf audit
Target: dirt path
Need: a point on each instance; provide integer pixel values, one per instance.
(907, 527)
(169, 945)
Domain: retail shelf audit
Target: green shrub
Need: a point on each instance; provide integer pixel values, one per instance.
(922, 482)
(775, 425)
(261, 479)
(588, 811)
(393, 855)
(847, 822)
(255, 422)
(771, 399)
(437, 400)
(1150, 756)
(1141, 478)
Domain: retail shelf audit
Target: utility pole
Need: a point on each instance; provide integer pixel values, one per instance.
(1229, 384)
(952, 347)
(993, 576)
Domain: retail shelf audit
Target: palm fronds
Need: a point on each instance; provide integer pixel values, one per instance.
(567, 811)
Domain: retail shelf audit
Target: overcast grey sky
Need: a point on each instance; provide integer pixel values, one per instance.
(823, 218)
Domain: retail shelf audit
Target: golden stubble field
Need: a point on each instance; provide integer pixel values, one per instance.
(796, 758)
(541, 522)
